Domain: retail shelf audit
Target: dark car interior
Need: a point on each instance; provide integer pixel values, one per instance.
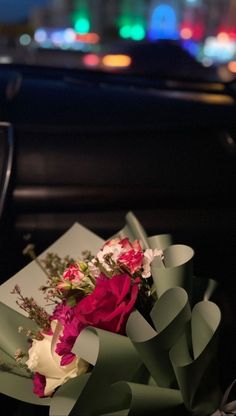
(89, 146)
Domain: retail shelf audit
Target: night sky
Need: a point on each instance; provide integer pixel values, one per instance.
(17, 10)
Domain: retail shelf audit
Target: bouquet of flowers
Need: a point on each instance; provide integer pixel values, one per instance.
(115, 328)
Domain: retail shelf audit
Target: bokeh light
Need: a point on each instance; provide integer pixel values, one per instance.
(116, 60)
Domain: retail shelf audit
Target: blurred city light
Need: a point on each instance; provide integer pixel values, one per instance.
(82, 25)
(194, 2)
(163, 23)
(186, 33)
(137, 32)
(25, 39)
(91, 59)
(125, 31)
(219, 48)
(92, 38)
(69, 35)
(40, 35)
(232, 66)
(205, 28)
(207, 62)
(65, 38)
(4, 59)
(80, 17)
(116, 60)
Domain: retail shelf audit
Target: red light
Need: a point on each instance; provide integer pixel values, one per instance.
(91, 59)
(191, 31)
(198, 31)
(186, 33)
(232, 35)
(228, 31)
(88, 38)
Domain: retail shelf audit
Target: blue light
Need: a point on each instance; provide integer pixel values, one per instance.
(40, 35)
(163, 23)
(192, 47)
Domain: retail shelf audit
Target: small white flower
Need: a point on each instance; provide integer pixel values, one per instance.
(113, 250)
(93, 269)
(149, 255)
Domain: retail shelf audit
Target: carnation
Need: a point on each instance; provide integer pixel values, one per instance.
(124, 321)
(99, 291)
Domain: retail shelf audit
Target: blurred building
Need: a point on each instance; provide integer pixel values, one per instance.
(135, 19)
(69, 24)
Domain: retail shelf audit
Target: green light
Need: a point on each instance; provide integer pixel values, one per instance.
(82, 25)
(137, 32)
(125, 32)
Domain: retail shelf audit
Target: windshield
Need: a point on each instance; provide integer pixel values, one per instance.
(190, 39)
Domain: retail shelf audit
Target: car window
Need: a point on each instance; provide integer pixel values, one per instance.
(188, 39)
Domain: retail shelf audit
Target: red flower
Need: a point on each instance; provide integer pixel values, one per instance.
(107, 307)
(110, 304)
(39, 384)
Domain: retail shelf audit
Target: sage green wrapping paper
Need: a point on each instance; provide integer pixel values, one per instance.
(196, 369)
(143, 399)
(31, 277)
(114, 359)
(119, 383)
(134, 230)
(15, 381)
(161, 241)
(176, 271)
(203, 289)
(170, 316)
(103, 391)
(137, 229)
(17, 384)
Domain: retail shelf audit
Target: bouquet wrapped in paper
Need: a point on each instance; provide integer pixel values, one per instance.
(111, 328)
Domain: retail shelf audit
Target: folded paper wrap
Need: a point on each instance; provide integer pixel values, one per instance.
(167, 366)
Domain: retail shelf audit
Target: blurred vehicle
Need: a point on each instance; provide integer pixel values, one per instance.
(163, 59)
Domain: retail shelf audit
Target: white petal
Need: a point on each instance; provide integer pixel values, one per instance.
(44, 360)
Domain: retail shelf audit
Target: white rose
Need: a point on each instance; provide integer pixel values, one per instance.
(44, 360)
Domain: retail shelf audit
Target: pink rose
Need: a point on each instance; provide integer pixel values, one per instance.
(73, 274)
(107, 307)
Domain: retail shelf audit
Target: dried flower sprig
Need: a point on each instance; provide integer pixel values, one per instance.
(30, 334)
(35, 312)
(54, 265)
